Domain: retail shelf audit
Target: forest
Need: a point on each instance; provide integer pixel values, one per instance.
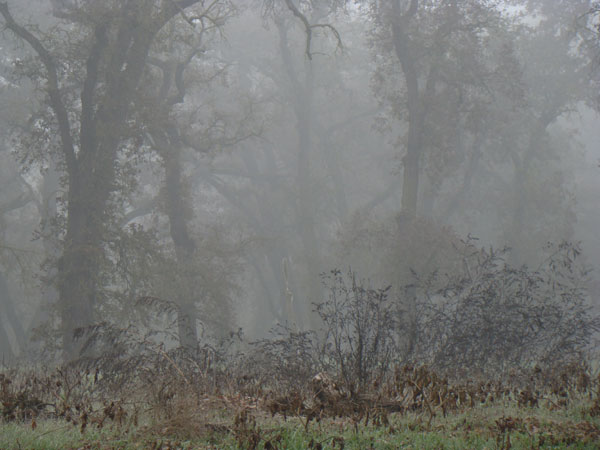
(374, 215)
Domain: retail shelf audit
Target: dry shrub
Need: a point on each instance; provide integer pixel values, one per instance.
(360, 329)
(285, 360)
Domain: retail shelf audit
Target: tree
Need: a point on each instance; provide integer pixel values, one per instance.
(91, 97)
(166, 88)
(547, 77)
(438, 48)
(274, 182)
(19, 256)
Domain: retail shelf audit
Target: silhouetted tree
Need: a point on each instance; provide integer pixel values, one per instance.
(90, 87)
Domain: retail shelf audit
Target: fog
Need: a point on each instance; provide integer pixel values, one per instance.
(203, 166)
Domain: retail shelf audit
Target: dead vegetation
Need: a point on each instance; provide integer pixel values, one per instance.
(354, 374)
(176, 410)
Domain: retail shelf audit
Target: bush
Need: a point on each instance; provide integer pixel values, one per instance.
(489, 318)
(494, 316)
(284, 360)
(360, 329)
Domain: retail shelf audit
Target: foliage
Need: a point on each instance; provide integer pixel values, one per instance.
(524, 364)
(361, 329)
(487, 318)
(494, 316)
(491, 91)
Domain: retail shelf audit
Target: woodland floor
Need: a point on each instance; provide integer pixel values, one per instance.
(165, 407)
(232, 422)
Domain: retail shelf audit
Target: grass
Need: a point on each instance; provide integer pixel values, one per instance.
(473, 428)
(52, 434)
(414, 409)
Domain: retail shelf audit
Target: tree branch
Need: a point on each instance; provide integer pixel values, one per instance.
(308, 28)
(305, 22)
(146, 207)
(22, 200)
(171, 9)
(53, 90)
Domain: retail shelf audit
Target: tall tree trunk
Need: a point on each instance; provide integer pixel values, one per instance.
(270, 219)
(411, 159)
(304, 208)
(9, 320)
(302, 97)
(47, 210)
(178, 212)
(518, 235)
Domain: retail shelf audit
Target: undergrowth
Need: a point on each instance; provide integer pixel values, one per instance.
(475, 377)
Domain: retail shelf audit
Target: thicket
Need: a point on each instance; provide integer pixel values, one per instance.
(492, 316)
(524, 330)
(487, 318)
(491, 332)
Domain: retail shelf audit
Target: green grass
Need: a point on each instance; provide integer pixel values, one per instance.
(474, 428)
(51, 434)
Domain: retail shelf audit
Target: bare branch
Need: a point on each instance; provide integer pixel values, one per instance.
(146, 207)
(305, 22)
(308, 28)
(171, 9)
(333, 30)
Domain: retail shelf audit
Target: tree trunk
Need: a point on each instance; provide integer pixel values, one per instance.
(518, 236)
(302, 97)
(91, 173)
(178, 212)
(47, 210)
(270, 219)
(411, 159)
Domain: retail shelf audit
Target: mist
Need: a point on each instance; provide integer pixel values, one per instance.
(211, 169)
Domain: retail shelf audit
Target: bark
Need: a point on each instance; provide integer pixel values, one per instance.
(170, 146)
(417, 102)
(9, 319)
(91, 179)
(47, 210)
(476, 154)
(335, 173)
(263, 219)
(271, 220)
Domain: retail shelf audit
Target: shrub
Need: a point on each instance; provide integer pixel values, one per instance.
(494, 316)
(360, 329)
